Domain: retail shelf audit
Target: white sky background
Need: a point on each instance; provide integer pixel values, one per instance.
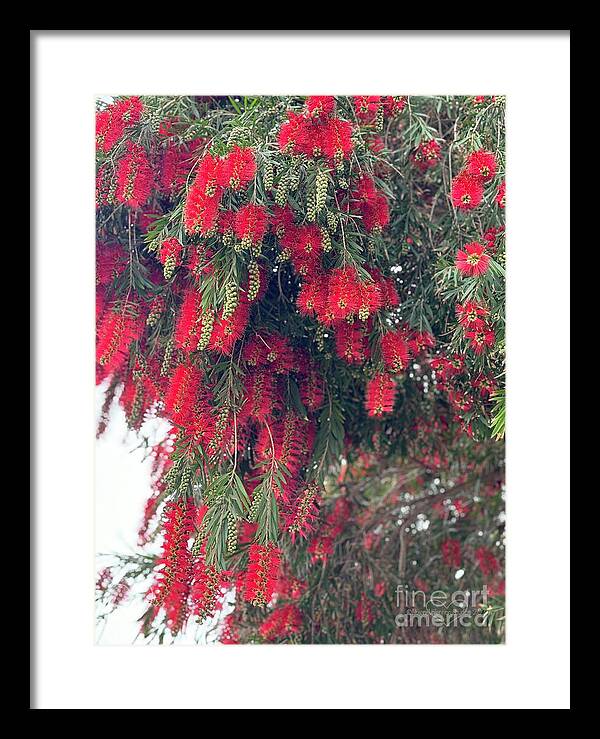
(122, 480)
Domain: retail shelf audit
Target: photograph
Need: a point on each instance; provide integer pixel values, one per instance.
(301, 337)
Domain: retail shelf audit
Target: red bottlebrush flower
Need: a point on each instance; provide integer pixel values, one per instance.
(306, 248)
(460, 401)
(387, 288)
(485, 384)
(237, 169)
(193, 325)
(366, 107)
(481, 164)
(169, 255)
(395, 351)
(481, 338)
(282, 622)
(200, 211)
(263, 570)
(472, 260)
(501, 195)
(351, 343)
(312, 390)
(380, 394)
(303, 511)
(337, 139)
(171, 587)
(134, 177)
(321, 548)
(312, 297)
(320, 105)
(227, 331)
(343, 293)
(175, 165)
(393, 104)
(251, 224)
(206, 180)
(379, 589)
(371, 204)
(259, 387)
(451, 553)
(471, 314)
(426, 155)
(282, 220)
(270, 350)
(420, 341)
(488, 564)
(110, 262)
(117, 331)
(467, 191)
(181, 395)
(290, 131)
(112, 121)
(206, 589)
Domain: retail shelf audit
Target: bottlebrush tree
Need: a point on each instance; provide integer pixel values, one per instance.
(311, 292)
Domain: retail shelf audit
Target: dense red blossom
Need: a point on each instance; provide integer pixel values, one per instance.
(306, 247)
(481, 164)
(259, 386)
(467, 191)
(343, 297)
(312, 387)
(312, 297)
(371, 204)
(190, 322)
(226, 331)
(303, 511)
(170, 249)
(420, 341)
(485, 383)
(320, 105)
(112, 122)
(117, 330)
(182, 392)
(380, 394)
(261, 577)
(251, 223)
(396, 351)
(200, 211)
(471, 314)
(237, 169)
(481, 338)
(135, 179)
(351, 343)
(488, 563)
(282, 622)
(472, 260)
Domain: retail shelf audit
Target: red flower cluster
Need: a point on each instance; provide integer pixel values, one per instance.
(303, 511)
(472, 260)
(380, 394)
(426, 155)
(370, 108)
(468, 185)
(501, 195)
(261, 577)
(112, 122)
(316, 132)
(182, 394)
(117, 330)
(371, 204)
(396, 351)
(282, 622)
(251, 224)
(451, 553)
(135, 179)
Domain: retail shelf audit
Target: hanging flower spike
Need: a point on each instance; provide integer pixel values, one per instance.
(312, 388)
(169, 256)
(112, 122)
(194, 325)
(336, 140)
(351, 343)
(467, 191)
(472, 260)
(380, 394)
(116, 333)
(259, 387)
(312, 297)
(396, 351)
(420, 341)
(261, 577)
(134, 177)
(238, 169)
(343, 293)
(200, 210)
(282, 622)
(251, 225)
(486, 385)
(488, 564)
(481, 164)
(306, 249)
(180, 397)
(304, 511)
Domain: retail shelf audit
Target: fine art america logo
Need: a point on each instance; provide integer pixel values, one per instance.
(441, 608)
